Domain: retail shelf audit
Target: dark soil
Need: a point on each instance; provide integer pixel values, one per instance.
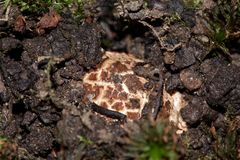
(41, 90)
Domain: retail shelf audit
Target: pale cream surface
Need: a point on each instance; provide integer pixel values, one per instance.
(105, 86)
(175, 102)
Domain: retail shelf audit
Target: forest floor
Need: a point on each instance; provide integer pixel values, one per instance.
(188, 48)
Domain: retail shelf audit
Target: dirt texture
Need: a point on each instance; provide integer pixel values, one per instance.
(43, 112)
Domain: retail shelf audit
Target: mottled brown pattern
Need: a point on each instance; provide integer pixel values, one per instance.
(133, 83)
(104, 105)
(96, 90)
(133, 115)
(123, 96)
(87, 87)
(110, 89)
(118, 106)
(114, 94)
(92, 91)
(108, 93)
(113, 85)
(128, 105)
(119, 87)
(116, 78)
(118, 67)
(93, 77)
(135, 103)
(104, 76)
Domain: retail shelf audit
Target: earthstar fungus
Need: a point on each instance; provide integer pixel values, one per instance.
(114, 86)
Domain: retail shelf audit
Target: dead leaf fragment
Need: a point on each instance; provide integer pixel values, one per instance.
(49, 20)
(20, 24)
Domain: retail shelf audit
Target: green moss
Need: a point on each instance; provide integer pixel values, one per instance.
(222, 23)
(175, 17)
(6, 4)
(85, 140)
(193, 4)
(153, 141)
(226, 145)
(33, 6)
(2, 141)
(43, 6)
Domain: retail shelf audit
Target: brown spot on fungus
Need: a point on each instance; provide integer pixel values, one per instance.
(118, 106)
(133, 115)
(108, 93)
(119, 88)
(104, 76)
(116, 79)
(114, 94)
(123, 96)
(118, 67)
(93, 77)
(104, 104)
(133, 83)
(96, 90)
(135, 103)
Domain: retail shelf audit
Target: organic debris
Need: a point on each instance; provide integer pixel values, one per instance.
(48, 21)
(20, 24)
(173, 103)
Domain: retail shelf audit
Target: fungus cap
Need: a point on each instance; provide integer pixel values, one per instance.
(114, 86)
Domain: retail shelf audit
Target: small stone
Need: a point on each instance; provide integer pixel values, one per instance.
(172, 83)
(191, 79)
(169, 57)
(184, 58)
(39, 140)
(221, 87)
(148, 85)
(204, 39)
(220, 122)
(192, 115)
(4, 94)
(49, 118)
(236, 59)
(9, 44)
(28, 118)
(199, 46)
(197, 145)
(134, 5)
(196, 111)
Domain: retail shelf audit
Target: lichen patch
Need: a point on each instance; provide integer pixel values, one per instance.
(114, 85)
